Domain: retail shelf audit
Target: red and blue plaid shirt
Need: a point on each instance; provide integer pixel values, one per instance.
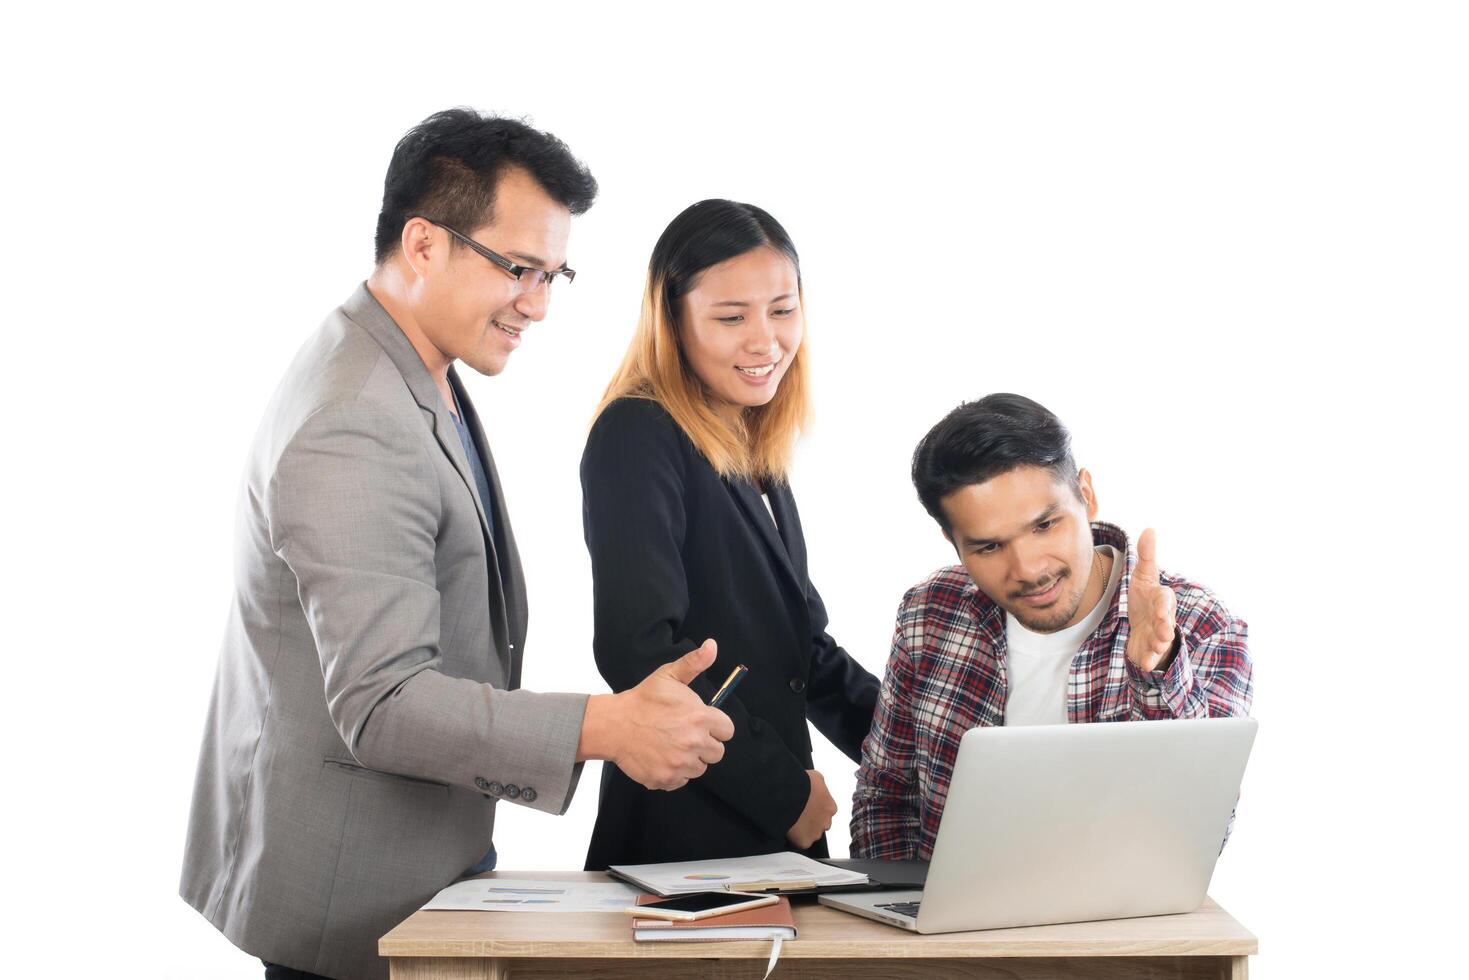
(946, 675)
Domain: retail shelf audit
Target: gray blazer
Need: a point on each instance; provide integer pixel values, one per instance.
(365, 718)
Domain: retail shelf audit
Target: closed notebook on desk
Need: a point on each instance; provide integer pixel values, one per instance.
(767, 922)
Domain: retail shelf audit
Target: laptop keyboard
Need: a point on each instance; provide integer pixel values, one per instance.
(910, 909)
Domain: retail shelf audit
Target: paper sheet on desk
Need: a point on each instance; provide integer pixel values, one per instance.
(680, 878)
(532, 895)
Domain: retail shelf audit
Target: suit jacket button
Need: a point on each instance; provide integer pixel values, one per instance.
(527, 795)
(798, 684)
(511, 790)
(480, 782)
(496, 789)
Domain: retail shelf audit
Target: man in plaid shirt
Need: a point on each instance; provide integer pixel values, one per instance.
(1051, 618)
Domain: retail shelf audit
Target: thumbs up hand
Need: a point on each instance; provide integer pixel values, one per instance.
(692, 664)
(660, 733)
(1151, 606)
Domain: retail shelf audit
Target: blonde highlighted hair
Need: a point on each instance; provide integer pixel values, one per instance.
(759, 446)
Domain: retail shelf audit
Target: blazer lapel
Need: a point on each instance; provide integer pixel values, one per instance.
(508, 580)
(364, 310)
(367, 312)
(754, 507)
(788, 525)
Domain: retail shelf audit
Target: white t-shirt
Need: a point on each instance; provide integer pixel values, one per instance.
(1039, 664)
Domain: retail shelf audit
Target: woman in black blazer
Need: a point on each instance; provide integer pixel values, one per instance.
(693, 533)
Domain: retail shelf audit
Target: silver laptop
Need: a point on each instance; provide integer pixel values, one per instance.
(1069, 823)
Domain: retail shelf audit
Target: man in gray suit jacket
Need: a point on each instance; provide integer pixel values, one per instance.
(365, 717)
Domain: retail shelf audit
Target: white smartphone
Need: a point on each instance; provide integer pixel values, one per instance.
(700, 905)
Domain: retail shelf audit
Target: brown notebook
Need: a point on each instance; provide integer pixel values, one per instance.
(766, 922)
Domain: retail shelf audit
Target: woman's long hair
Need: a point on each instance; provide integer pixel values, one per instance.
(705, 234)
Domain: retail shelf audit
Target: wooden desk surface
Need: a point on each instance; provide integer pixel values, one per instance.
(823, 933)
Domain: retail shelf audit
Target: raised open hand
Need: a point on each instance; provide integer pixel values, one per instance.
(1150, 608)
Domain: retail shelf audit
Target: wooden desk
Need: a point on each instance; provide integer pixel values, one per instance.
(496, 946)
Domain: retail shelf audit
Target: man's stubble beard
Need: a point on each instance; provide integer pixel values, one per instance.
(1059, 620)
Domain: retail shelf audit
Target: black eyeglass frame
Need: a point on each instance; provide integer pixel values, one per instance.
(515, 271)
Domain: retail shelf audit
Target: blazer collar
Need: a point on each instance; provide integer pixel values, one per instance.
(749, 497)
(363, 309)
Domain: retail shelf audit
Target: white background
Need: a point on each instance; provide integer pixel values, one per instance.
(1227, 244)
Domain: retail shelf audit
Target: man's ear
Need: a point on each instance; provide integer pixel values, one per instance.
(1088, 493)
(417, 245)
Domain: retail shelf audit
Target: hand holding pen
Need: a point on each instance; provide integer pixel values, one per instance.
(658, 733)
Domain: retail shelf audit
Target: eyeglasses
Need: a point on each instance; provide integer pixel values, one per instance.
(528, 277)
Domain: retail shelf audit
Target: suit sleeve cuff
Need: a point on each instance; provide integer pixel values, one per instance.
(546, 779)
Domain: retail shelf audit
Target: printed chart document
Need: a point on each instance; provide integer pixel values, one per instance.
(529, 895)
(763, 872)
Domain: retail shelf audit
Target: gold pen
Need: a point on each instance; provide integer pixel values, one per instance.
(794, 885)
(735, 676)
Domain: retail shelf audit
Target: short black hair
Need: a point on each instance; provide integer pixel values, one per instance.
(446, 168)
(984, 439)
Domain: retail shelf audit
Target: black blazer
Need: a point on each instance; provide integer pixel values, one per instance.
(678, 555)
